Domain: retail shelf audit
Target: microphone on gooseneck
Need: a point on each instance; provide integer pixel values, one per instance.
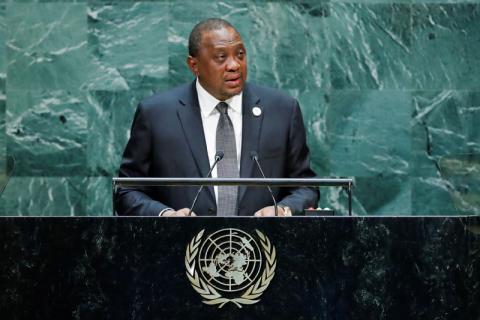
(218, 156)
(254, 156)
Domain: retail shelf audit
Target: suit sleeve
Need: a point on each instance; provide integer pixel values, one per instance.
(298, 165)
(136, 162)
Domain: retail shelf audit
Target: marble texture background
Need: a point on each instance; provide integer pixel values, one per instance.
(390, 93)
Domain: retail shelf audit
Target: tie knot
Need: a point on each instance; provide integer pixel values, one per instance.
(222, 107)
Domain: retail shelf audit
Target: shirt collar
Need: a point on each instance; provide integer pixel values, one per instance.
(208, 102)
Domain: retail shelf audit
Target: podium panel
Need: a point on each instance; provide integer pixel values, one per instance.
(240, 268)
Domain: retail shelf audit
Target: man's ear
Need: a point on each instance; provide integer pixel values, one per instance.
(193, 64)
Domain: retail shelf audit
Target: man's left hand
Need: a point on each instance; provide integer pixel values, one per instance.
(270, 212)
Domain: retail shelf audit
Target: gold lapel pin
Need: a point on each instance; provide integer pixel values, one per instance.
(256, 111)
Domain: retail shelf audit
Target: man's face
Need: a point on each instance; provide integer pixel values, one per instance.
(221, 63)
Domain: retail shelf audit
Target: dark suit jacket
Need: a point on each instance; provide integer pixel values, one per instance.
(167, 140)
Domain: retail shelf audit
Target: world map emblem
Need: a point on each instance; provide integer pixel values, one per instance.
(230, 265)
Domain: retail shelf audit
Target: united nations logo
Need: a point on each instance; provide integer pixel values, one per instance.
(230, 266)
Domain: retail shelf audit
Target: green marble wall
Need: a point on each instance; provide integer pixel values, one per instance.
(390, 92)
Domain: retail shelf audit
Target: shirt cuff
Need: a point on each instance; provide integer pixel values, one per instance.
(163, 211)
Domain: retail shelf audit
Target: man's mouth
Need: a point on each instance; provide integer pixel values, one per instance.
(233, 81)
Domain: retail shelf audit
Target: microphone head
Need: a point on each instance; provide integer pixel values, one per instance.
(253, 155)
(219, 155)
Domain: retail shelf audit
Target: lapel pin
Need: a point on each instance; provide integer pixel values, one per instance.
(256, 111)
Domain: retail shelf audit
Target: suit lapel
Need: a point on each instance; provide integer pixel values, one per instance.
(191, 122)
(251, 128)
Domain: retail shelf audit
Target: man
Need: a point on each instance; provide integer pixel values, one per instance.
(177, 134)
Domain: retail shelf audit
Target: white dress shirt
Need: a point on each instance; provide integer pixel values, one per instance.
(210, 116)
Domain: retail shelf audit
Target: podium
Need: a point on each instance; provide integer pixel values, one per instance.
(325, 268)
(344, 183)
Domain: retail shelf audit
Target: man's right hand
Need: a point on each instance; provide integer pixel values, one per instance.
(180, 213)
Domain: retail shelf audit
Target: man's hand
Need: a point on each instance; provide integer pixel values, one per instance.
(270, 212)
(180, 213)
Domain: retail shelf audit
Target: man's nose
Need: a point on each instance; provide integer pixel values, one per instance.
(232, 64)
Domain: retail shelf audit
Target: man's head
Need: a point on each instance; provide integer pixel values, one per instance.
(217, 56)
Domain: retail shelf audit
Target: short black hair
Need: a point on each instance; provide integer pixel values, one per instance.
(195, 38)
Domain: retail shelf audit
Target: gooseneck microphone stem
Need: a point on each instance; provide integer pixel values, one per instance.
(218, 156)
(254, 156)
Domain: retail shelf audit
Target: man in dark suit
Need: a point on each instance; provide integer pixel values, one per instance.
(178, 132)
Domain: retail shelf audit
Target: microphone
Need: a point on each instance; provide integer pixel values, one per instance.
(218, 156)
(254, 156)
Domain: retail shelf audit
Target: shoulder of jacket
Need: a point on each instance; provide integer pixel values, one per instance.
(165, 99)
(271, 97)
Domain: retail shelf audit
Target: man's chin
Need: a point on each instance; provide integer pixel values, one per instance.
(230, 92)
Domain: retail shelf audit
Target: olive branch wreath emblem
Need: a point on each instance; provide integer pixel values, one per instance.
(210, 295)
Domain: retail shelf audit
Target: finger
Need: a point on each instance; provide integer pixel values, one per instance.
(168, 213)
(182, 212)
(266, 212)
(258, 213)
(269, 212)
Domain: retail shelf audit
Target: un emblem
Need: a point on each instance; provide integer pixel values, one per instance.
(229, 266)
